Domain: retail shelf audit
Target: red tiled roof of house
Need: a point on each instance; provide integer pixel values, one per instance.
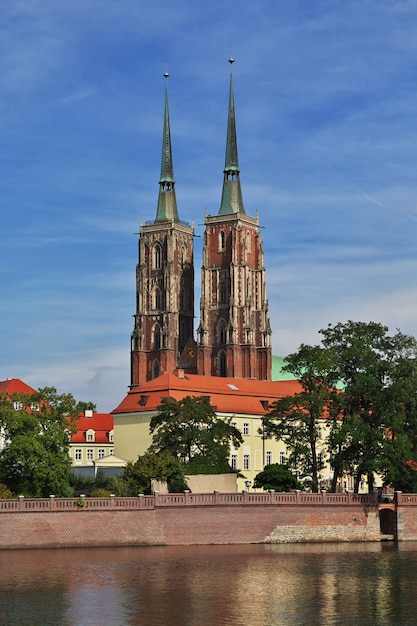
(228, 395)
(15, 385)
(101, 423)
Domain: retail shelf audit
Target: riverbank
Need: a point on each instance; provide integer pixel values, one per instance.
(189, 519)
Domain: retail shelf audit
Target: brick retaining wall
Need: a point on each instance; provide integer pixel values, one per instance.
(184, 519)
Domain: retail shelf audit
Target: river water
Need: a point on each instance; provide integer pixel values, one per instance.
(249, 585)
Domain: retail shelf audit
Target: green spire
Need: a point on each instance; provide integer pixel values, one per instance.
(167, 203)
(232, 194)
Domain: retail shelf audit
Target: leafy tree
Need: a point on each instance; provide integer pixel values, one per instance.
(373, 418)
(295, 420)
(190, 430)
(86, 406)
(374, 430)
(136, 477)
(35, 458)
(276, 477)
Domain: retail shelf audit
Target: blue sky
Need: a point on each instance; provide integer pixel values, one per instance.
(326, 107)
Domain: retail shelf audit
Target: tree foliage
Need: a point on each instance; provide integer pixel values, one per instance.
(137, 476)
(190, 430)
(295, 419)
(34, 460)
(276, 477)
(374, 427)
(373, 418)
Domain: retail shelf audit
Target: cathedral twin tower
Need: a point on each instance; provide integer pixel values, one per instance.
(234, 334)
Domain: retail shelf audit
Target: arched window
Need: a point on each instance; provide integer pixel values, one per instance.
(222, 363)
(222, 332)
(157, 298)
(157, 257)
(155, 369)
(222, 292)
(157, 337)
(222, 241)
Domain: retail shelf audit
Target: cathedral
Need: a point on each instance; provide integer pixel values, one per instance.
(234, 334)
(229, 358)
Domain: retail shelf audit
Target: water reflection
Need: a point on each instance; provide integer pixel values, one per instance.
(372, 584)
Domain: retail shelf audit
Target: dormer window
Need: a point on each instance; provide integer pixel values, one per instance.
(90, 436)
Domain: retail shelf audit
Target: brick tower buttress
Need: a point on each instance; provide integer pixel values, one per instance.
(164, 318)
(234, 335)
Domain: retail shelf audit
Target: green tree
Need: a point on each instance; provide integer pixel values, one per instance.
(190, 430)
(86, 406)
(374, 418)
(276, 477)
(35, 458)
(137, 476)
(295, 420)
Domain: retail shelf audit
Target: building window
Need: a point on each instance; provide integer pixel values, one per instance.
(18, 406)
(233, 424)
(222, 292)
(90, 436)
(222, 363)
(90, 454)
(157, 337)
(157, 298)
(222, 241)
(268, 457)
(222, 332)
(246, 462)
(101, 453)
(155, 369)
(246, 430)
(157, 257)
(111, 451)
(233, 461)
(319, 433)
(282, 460)
(78, 454)
(111, 436)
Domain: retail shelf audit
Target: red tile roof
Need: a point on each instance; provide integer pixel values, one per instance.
(228, 395)
(101, 423)
(15, 385)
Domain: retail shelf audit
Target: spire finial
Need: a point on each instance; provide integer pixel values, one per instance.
(232, 195)
(167, 204)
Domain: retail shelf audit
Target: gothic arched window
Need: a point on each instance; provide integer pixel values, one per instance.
(157, 257)
(222, 332)
(155, 369)
(222, 292)
(222, 363)
(157, 298)
(157, 337)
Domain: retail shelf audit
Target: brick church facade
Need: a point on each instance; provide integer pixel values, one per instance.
(234, 333)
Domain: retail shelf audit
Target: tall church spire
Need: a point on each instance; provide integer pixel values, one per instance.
(167, 202)
(232, 194)
(164, 319)
(234, 335)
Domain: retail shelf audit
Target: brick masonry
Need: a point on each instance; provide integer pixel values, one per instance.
(186, 525)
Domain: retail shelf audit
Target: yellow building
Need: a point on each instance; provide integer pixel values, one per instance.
(242, 402)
